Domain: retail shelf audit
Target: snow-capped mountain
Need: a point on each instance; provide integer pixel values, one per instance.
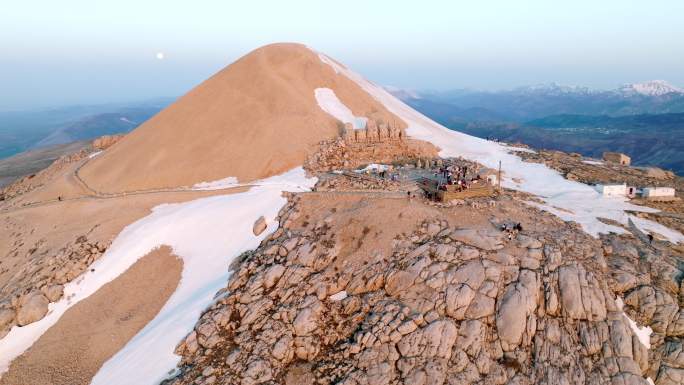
(651, 88)
(552, 89)
(648, 88)
(402, 93)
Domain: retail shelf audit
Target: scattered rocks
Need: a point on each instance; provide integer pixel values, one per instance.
(42, 280)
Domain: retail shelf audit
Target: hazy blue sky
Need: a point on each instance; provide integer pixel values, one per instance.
(57, 52)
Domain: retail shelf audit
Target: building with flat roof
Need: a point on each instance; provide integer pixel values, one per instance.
(617, 157)
(612, 190)
(657, 192)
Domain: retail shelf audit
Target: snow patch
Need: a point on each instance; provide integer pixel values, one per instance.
(327, 60)
(228, 182)
(94, 154)
(338, 296)
(652, 227)
(642, 333)
(593, 162)
(570, 200)
(374, 167)
(207, 233)
(520, 149)
(126, 120)
(329, 103)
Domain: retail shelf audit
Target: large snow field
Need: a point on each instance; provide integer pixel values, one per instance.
(220, 184)
(207, 233)
(329, 103)
(571, 201)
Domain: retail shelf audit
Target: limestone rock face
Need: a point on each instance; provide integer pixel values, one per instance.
(518, 303)
(435, 340)
(33, 307)
(487, 240)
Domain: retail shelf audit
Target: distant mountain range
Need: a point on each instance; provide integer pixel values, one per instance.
(526, 103)
(92, 126)
(644, 120)
(25, 130)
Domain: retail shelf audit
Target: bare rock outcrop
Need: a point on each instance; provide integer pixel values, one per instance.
(106, 141)
(449, 306)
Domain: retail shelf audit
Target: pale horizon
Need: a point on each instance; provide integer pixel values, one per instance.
(79, 53)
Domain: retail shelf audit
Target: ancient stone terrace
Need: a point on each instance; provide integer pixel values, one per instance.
(374, 132)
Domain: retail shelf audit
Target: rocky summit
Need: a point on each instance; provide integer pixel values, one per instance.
(453, 300)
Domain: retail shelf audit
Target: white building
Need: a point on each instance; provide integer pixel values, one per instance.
(612, 190)
(658, 192)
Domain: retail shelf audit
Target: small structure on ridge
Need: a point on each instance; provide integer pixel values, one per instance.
(617, 157)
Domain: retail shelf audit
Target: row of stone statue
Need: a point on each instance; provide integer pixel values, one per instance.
(374, 132)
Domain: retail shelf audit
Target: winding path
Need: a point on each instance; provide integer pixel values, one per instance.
(94, 194)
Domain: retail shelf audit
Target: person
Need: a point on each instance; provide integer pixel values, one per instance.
(650, 239)
(518, 227)
(59, 198)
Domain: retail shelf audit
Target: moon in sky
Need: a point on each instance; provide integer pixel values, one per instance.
(160, 55)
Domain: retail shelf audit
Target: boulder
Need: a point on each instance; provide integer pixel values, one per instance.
(305, 322)
(259, 226)
(33, 307)
(282, 350)
(272, 275)
(53, 292)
